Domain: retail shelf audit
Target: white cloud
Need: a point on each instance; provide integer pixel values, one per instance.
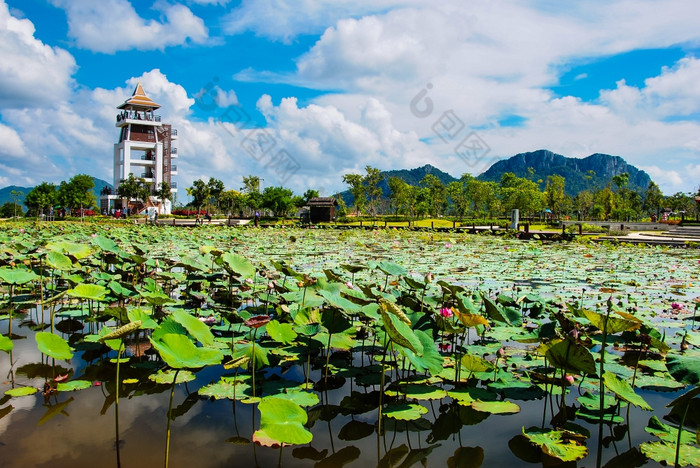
(31, 72)
(285, 19)
(112, 25)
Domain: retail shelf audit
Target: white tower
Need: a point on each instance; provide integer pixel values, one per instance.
(145, 148)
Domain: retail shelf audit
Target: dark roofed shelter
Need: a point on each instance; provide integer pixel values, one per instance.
(322, 209)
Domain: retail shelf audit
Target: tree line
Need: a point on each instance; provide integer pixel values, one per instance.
(470, 197)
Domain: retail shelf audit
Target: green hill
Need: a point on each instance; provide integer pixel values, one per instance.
(410, 176)
(5, 192)
(537, 165)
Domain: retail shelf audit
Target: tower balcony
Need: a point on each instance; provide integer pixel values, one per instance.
(173, 152)
(135, 117)
(173, 134)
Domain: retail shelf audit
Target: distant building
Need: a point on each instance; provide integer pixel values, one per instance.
(322, 209)
(145, 149)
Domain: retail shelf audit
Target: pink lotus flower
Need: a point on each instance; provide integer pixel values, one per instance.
(448, 245)
(446, 312)
(444, 346)
(569, 378)
(676, 306)
(249, 281)
(349, 285)
(208, 320)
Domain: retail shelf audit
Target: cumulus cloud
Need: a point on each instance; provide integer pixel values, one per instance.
(112, 25)
(31, 72)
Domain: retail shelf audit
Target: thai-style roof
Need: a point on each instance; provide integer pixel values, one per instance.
(139, 99)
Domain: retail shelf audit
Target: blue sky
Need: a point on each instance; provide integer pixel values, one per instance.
(333, 86)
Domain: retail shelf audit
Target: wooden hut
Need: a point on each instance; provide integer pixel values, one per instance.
(322, 209)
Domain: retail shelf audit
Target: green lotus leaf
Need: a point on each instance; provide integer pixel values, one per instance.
(179, 352)
(281, 422)
(17, 276)
(281, 332)
(613, 324)
(21, 391)
(685, 369)
(73, 385)
(667, 433)
(93, 292)
(572, 357)
(78, 251)
(401, 333)
(228, 387)
(476, 364)
(156, 298)
(238, 264)
(53, 345)
(555, 445)
(165, 377)
(300, 397)
(430, 360)
(336, 300)
(405, 411)
(143, 316)
(624, 391)
(689, 455)
(246, 351)
(6, 344)
(198, 329)
(58, 261)
(496, 407)
(106, 244)
(391, 268)
(338, 340)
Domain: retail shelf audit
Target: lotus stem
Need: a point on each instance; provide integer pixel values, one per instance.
(599, 457)
(116, 403)
(170, 412)
(680, 432)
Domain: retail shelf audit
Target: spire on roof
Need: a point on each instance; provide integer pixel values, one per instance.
(139, 99)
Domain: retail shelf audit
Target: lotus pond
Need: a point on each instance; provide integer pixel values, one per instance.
(145, 346)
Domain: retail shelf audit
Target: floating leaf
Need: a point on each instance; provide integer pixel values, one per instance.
(689, 455)
(496, 407)
(405, 411)
(554, 444)
(73, 385)
(401, 333)
(281, 422)
(21, 391)
(166, 377)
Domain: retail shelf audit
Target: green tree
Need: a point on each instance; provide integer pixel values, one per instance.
(399, 192)
(232, 200)
(77, 193)
(583, 202)
(251, 184)
(605, 203)
(216, 188)
(41, 197)
(554, 194)
(16, 197)
(372, 188)
(164, 192)
(520, 193)
(132, 188)
(10, 209)
(437, 194)
(459, 193)
(357, 189)
(199, 191)
(653, 199)
(279, 200)
(308, 195)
